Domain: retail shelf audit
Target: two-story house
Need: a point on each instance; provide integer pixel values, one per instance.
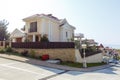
(57, 30)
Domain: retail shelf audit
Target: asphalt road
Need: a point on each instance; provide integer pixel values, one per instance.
(14, 70)
(111, 73)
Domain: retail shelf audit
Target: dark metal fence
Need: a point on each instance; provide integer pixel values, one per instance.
(4, 44)
(88, 52)
(43, 45)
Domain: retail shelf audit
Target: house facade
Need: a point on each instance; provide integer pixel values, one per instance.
(17, 36)
(56, 30)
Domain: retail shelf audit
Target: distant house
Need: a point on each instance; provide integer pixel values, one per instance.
(90, 42)
(79, 37)
(57, 30)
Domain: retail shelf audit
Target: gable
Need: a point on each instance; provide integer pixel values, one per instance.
(67, 27)
(17, 33)
(65, 24)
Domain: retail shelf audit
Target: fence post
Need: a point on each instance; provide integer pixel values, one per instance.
(10, 43)
(0, 43)
(4, 44)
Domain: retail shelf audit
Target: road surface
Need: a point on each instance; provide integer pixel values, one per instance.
(14, 70)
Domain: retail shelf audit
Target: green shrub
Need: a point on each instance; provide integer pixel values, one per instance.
(16, 53)
(32, 53)
(119, 57)
(24, 53)
(8, 49)
(2, 51)
(38, 57)
(44, 38)
(77, 44)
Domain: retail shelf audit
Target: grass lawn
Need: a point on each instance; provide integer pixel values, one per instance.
(80, 65)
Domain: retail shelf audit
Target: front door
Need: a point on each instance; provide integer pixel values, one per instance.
(36, 38)
(18, 39)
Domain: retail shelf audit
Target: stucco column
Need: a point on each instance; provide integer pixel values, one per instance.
(23, 39)
(39, 37)
(13, 40)
(33, 37)
(0, 43)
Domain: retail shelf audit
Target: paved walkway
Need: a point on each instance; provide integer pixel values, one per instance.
(46, 64)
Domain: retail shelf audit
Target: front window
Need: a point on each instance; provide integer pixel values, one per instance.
(33, 27)
(66, 34)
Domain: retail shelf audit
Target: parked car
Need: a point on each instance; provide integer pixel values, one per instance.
(114, 61)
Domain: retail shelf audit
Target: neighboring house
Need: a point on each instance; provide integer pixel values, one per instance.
(90, 42)
(101, 47)
(57, 30)
(79, 36)
(17, 36)
(78, 40)
(66, 31)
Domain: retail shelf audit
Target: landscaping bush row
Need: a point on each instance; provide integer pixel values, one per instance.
(9, 50)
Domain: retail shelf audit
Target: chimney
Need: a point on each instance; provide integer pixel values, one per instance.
(49, 14)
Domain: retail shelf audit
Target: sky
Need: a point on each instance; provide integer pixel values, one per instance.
(96, 19)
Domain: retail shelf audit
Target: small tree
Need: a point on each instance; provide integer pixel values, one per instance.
(77, 44)
(3, 30)
(32, 53)
(44, 38)
(86, 42)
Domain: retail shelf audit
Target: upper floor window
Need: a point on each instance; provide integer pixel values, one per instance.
(66, 34)
(72, 35)
(33, 27)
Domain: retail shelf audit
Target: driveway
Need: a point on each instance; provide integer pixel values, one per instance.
(14, 70)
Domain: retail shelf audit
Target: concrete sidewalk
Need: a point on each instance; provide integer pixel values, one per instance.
(46, 64)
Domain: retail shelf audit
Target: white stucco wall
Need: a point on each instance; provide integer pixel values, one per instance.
(51, 28)
(42, 29)
(14, 40)
(95, 58)
(91, 59)
(23, 39)
(70, 31)
(55, 32)
(27, 24)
